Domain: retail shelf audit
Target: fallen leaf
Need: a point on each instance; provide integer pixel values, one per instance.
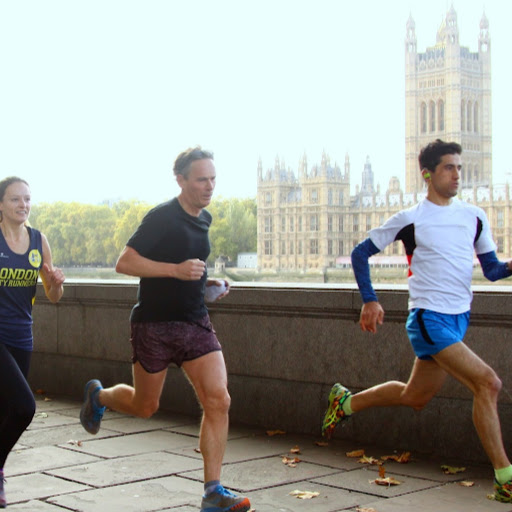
(275, 432)
(304, 495)
(75, 442)
(197, 450)
(295, 449)
(47, 399)
(40, 391)
(358, 509)
(451, 470)
(403, 458)
(382, 471)
(368, 460)
(387, 481)
(355, 453)
(467, 483)
(321, 443)
(491, 497)
(41, 415)
(290, 461)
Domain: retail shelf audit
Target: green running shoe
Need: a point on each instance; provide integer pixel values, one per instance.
(503, 492)
(334, 413)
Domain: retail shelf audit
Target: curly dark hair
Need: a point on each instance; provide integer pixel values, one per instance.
(431, 154)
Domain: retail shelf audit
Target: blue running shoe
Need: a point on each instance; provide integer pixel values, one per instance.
(91, 412)
(222, 500)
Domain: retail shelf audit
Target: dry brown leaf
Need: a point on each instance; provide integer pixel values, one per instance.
(47, 399)
(382, 471)
(295, 449)
(275, 432)
(355, 453)
(290, 461)
(466, 483)
(197, 450)
(368, 459)
(387, 481)
(40, 391)
(451, 470)
(321, 443)
(304, 495)
(403, 458)
(74, 442)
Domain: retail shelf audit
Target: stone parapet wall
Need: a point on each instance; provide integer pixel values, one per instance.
(284, 347)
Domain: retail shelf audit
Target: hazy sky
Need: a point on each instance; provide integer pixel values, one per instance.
(98, 97)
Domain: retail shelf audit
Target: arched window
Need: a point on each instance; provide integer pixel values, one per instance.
(475, 118)
(440, 115)
(423, 118)
(469, 117)
(463, 116)
(432, 116)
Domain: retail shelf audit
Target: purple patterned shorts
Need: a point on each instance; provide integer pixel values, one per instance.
(155, 345)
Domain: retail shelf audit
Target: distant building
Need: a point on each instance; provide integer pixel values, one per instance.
(310, 221)
(448, 96)
(247, 260)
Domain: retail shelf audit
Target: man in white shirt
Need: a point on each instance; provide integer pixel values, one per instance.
(440, 235)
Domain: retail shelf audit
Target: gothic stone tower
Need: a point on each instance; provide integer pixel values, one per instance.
(448, 96)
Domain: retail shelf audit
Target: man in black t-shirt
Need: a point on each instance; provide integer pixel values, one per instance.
(170, 322)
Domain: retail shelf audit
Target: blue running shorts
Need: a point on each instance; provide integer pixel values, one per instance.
(430, 332)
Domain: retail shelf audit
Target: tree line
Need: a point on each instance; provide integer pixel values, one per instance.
(94, 235)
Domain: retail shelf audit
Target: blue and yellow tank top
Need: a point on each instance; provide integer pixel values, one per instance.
(18, 279)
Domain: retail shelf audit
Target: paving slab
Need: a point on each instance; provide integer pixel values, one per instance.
(362, 480)
(37, 486)
(279, 499)
(132, 444)
(44, 458)
(451, 497)
(43, 419)
(128, 469)
(268, 472)
(148, 496)
(235, 431)
(67, 434)
(35, 506)
(132, 424)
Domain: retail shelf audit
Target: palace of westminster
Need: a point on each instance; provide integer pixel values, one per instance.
(311, 221)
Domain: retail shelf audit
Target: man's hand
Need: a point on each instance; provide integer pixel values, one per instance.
(190, 270)
(371, 315)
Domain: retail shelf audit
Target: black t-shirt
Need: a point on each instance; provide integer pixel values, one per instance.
(169, 234)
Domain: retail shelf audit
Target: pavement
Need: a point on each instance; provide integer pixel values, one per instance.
(137, 465)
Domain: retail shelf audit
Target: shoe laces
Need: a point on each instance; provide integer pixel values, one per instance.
(223, 491)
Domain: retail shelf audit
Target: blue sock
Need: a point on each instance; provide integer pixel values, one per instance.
(210, 486)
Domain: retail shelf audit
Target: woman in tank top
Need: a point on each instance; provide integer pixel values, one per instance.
(24, 256)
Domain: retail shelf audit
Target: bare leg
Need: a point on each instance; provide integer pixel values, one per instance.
(425, 381)
(463, 364)
(209, 378)
(142, 399)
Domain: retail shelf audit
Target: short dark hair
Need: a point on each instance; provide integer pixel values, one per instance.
(9, 181)
(184, 159)
(431, 154)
